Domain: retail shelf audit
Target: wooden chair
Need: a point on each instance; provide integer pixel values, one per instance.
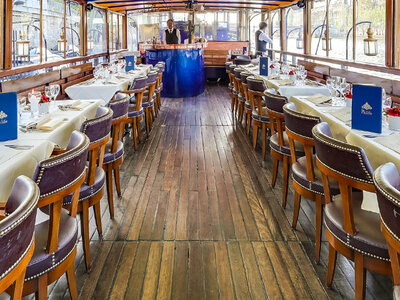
(248, 109)
(114, 152)
(56, 237)
(17, 235)
(161, 66)
(92, 190)
(260, 117)
(148, 100)
(135, 113)
(387, 183)
(240, 96)
(234, 91)
(351, 231)
(307, 179)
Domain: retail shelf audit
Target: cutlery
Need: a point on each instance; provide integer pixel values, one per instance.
(20, 147)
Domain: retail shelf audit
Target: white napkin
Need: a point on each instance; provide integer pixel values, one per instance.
(318, 98)
(390, 141)
(370, 202)
(49, 124)
(80, 104)
(343, 114)
(283, 82)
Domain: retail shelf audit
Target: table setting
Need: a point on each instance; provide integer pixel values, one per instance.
(106, 81)
(38, 135)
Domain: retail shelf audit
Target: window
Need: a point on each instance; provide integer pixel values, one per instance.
(276, 35)
(318, 23)
(26, 32)
(114, 31)
(132, 34)
(72, 29)
(254, 26)
(53, 24)
(96, 31)
(294, 30)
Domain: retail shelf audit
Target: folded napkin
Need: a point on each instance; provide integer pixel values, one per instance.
(112, 81)
(370, 203)
(49, 124)
(283, 82)
(343, 114)
(391, 141)
(312, 83)
(79, 105)
(274, 77)
(318, 98)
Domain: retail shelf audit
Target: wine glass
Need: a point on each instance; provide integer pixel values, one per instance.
(303, 76)
(330, 83)
(34, 99)
(56, 91)
(21, 106)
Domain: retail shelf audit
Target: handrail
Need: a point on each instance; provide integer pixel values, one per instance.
(19, 70)
(365, 66)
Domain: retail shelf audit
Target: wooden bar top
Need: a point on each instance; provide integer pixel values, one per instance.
(173, 46)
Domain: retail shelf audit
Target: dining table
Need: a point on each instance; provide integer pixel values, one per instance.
(105, 89)
(38, 136)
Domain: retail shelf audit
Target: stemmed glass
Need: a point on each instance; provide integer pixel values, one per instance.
(330, 83)
(386, 100)
(21, 105)
(55, 90)
(48, 91)
(34, 99)
(303, 76)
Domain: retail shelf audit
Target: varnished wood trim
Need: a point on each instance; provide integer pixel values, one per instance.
(283, 29)
(41, 32)
(124, 32)
(8, 34)
(1, 32)
(307, 27)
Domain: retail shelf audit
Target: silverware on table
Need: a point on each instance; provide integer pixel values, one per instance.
(20, 147)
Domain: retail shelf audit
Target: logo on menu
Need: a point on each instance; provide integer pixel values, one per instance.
(3, 117)
(263, 66)
(366, 109)
(130, 64)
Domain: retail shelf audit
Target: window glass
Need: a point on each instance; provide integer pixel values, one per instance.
(96, 31)
(254, 26)
(26, 32)
(295, 30)
(132, 33)
(73, 28)
(53, 24)
(318, 26)
(371, 11)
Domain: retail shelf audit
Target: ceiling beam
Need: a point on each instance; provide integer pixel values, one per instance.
(200, 2)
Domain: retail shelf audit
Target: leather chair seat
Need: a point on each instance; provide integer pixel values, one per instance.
(247, 105)
(132, 99)
(161, 86)
(285, 149)
(135, 113)
(299, 172)
(264, 118)
(43, 262)
(368, 239)
(230, 87)
(110, 157)
(235, 92)
(88, 191)
(241, 98)
(396, 292)
(148, 104)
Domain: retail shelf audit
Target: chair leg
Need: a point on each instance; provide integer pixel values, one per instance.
(85, 232)
(152, 113)
(249, 124)
(233, 102)
(147, 116)
(236, 105)
(264, 139)
(139, 133)
(97, 216)
(331, 265)
(110, 194)
(41, 293)
(117, 180)
(134, 133)
(19, 286)
(296, 208)
(245, 120)
(318, 226)
(275, 165)
(255, 135)
(285, 179)
(72, 282)
(360, 276)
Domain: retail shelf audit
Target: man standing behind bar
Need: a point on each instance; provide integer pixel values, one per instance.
(262, 39)
(171, 35)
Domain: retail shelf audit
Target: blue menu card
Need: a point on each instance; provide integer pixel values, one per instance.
(264, 65)
(366, 111)
(130, 63)
(8, 116)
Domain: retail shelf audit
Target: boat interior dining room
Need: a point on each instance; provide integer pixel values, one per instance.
(200, 149)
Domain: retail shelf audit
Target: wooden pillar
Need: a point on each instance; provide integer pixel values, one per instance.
(65, 28)
(7, 34)
(270, 29)
(107, 32)
(283, 29)
(392, 33)
(1, 33)
(41, 32)
(125, 31)
(83, 30)
(307, 27)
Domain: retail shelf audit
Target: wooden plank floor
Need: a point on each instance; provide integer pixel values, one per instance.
(198, 219)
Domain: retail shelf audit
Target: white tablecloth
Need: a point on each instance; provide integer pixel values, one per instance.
(15, 162)
(96, 89)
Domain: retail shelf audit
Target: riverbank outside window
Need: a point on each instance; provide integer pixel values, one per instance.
(96, 31)
(72, 30)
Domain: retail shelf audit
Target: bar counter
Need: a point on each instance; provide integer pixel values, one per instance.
(184, 68)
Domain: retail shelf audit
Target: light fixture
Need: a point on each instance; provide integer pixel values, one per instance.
(299, 41)
(61, 42)
(90, 44)
(324, 42)
(22, 45)
(370, 44)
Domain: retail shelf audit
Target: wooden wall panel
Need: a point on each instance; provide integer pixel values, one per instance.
(76, 70)
(24, 84)
(315, 67)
